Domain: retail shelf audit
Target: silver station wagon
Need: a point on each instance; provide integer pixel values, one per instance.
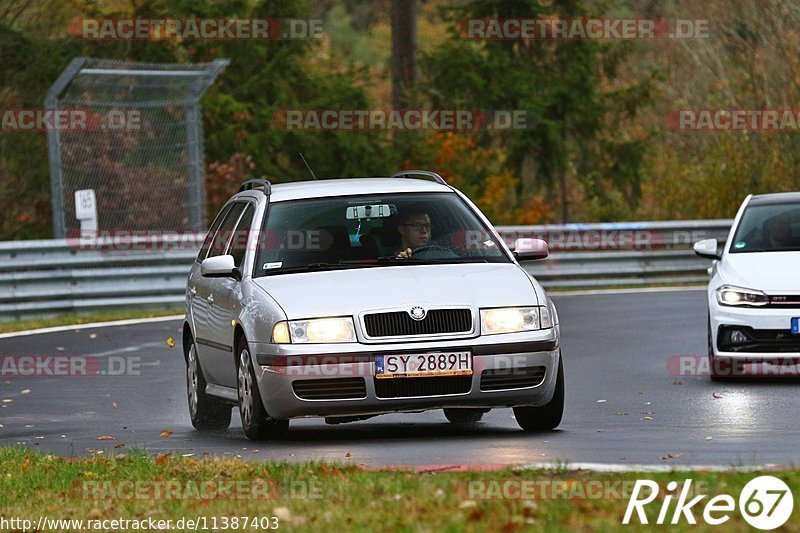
(350, 298)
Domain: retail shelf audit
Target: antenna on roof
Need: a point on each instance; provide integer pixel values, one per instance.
(307, 165)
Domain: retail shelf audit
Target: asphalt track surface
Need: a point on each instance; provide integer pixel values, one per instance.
(624, 404)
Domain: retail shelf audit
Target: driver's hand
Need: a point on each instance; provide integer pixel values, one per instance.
(405, 254)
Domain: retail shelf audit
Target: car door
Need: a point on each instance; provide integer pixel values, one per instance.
(198, 287)
(210, 351)
(227, 295)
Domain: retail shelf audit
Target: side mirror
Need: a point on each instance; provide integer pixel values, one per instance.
(707, 248)
(530, 249)
(220, 266)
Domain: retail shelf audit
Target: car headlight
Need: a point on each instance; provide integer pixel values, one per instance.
(314, 331)
(737, 296)
(514, 319)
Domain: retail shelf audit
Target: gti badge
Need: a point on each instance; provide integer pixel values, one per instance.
(417, 312)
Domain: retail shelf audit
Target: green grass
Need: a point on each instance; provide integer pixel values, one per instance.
(87, 318)
(320, 496)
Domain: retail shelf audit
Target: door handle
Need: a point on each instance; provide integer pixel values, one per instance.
(210, 298)
(193, 291)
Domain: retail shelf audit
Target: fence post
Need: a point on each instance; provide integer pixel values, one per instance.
(54, 148)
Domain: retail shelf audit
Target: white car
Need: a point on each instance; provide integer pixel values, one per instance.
(754, 292)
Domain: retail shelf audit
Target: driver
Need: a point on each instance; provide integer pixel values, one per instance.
(415, 231)
(778, 231)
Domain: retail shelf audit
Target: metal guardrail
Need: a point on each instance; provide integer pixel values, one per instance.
(45, 278)
(620, 254)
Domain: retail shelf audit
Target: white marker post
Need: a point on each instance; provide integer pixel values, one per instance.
(86, 212)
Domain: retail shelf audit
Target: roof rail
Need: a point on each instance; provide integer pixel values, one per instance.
(252, 184)
(428, 173)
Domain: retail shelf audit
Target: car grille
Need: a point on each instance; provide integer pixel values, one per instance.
(784, 302)
(427, 386)
(400, 323)
(330, 389)
(758, 340)
(512, 378)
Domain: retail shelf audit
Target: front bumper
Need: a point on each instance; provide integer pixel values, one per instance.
(767, 333)
(524, 368)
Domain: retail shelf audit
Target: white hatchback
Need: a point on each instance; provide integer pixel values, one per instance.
(754, 292)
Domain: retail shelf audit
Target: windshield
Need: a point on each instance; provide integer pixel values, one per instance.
(768, 228)
(364, 231)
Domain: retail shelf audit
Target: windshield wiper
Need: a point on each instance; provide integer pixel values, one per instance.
(367, 263)
(429, 261)
(314, 267)
(311, 267)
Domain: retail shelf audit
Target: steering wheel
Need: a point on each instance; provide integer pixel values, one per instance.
(436, 249)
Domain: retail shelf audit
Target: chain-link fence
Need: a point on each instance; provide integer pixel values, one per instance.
(131, 145)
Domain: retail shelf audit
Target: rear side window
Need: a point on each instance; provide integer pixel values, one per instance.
(240, 236)
(225, 231)
(211, 232)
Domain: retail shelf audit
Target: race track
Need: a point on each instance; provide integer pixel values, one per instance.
(623, 404)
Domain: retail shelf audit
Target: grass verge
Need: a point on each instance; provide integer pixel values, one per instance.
(87, 318)
(320, 496)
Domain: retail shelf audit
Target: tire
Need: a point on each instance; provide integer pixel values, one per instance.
(464, 416)
(207, 413)
(548, 416)
(257, 424)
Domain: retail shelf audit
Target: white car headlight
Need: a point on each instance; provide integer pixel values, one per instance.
(514, 319)
(740, 297)
(315, 331)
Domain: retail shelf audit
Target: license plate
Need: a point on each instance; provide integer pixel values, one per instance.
(796, 325)
(423, 365)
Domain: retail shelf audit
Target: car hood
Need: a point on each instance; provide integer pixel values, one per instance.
(772, 272)
(348, 292)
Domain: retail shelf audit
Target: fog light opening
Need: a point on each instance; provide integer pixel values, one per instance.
(737, 337)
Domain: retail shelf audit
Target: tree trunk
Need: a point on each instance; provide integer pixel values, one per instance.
(404, 47)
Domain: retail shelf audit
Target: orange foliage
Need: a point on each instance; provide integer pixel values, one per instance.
(476, 171)
(223, 179)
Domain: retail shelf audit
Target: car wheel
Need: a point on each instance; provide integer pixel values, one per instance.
(257, 424)
(464, 416)
(206, 412)
(548, 416)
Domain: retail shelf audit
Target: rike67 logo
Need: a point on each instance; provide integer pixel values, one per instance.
(765, 503)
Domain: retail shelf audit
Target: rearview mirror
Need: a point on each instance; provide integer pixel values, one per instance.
(530, 249)
(707, 248)
(362, 212)
(220, 266)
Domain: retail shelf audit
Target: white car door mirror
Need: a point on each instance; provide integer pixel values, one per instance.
(707, 248)
(530, 249)
(220, 266)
